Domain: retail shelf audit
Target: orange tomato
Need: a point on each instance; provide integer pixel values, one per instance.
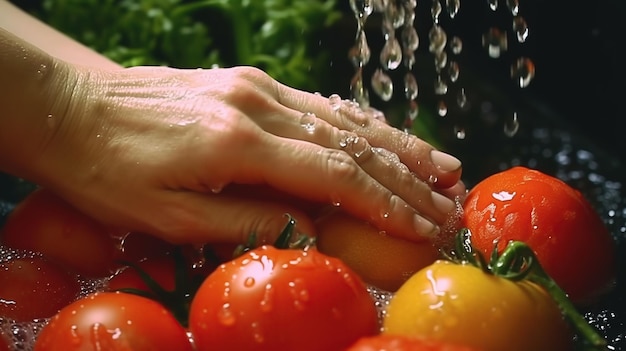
(380, 259)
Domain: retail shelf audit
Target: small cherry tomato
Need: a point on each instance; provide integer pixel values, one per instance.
(113, 321)
(380, 259)
(461, 304)
(33, 287)
(46, 224)
(390, 342)
(282, 299)
(555, 220)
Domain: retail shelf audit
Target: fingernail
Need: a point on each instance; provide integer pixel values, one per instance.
(442, 203)
(444, 162)
(424, 227)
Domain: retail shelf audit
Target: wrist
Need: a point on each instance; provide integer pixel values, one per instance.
(38, 98)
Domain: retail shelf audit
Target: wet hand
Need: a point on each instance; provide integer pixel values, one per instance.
(162, 149)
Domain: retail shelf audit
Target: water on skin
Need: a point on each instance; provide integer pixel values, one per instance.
(307, 121)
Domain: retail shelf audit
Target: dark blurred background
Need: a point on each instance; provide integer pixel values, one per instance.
(576, 48)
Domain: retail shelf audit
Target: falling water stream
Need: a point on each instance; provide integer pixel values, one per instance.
(401, 40)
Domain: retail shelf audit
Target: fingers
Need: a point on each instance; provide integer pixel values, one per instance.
(379, 163)
(326, 175)
(439, 169)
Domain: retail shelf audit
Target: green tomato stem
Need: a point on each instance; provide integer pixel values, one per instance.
(520, 262)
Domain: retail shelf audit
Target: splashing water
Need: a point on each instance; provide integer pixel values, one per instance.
(401, 41)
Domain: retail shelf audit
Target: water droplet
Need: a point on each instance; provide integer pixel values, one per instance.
(461, 98)
(442, 108)
(435, 11)
(394, 15)
(453, 71)
(225, 315)
(354, 144)
(513, 6)
(441, 59)
(453, 7)
(358, 90)
(493, 4)
(413, 110)
(382, 85)
(360, 53)
(257, 333)
(335, 200)
(408, 58)
(267, 303)
(50, 121)
(495, 42)
(410, 86)
(441, 87)
(523, 71)
(438, 39)
(511, 126)
(520, 28)
(456, 45)
(391, 54)
(361, 8)
(407, 125)
(217, 188)
(387, 28)
(459, 132)
(42, 69)
(307, 121)
(335, 102)
(410, 39)
(409, 14)
(249, 282)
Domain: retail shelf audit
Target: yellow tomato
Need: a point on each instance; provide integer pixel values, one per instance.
(380, 259)
(462, 304)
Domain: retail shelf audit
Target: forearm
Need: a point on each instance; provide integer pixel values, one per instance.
(33, 91)
(49, 39)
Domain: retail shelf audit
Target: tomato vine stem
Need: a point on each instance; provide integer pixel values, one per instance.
(518, 262)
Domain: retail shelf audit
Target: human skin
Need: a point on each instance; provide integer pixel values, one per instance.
(203, 155)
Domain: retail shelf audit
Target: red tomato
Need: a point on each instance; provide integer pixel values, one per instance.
(5, 343)
(390, 342)
(273, 299)
(555, 220)
(113, 321)
(46, 224)
(32, 287)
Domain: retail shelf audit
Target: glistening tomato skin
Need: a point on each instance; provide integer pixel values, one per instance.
(46, 224)
(33, 287)
(397, 342)
(116, 322)
(460, 303)
(380, 259)
(555, 220)
(275, 299)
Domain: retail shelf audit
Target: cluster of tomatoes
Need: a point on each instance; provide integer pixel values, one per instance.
(482, 294)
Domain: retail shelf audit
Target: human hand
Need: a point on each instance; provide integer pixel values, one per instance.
(168, 151)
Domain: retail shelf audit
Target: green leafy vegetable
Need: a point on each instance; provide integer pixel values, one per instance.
(278, 36)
